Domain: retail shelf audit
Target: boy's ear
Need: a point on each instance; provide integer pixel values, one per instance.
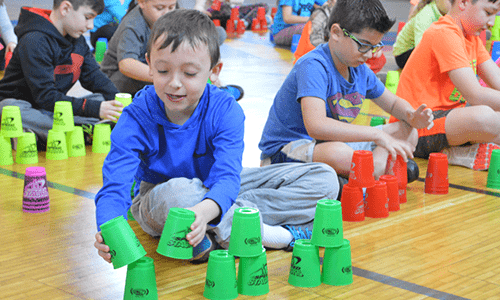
(65, 7)
(336, 32)
(214, 73)
(149, 64)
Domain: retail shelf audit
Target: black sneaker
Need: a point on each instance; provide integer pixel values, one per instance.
(298, 234)
(412, 170)
(235, 90)
(88, 136)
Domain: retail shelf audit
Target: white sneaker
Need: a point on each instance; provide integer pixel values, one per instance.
(476, 156)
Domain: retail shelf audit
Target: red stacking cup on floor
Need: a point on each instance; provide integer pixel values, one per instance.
(436, 180)
(353, 206)
(255, 25)
(261, 13)
(263, 25)
(361, 174)
(230, 28)
(392, 191)
(398, 168)
(216, 22)
(377, 204)
(241, 27)
(36, 193)
(274, 10)
(216, 4)
(235, 14)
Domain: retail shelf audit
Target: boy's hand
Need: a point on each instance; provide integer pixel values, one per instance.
(205, 211)
(111, 110)
(395, 146)
(102, 248)
(421, 118)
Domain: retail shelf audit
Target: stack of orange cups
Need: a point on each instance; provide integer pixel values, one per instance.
(398, 168)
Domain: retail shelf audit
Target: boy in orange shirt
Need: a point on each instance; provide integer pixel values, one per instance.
(443, 76)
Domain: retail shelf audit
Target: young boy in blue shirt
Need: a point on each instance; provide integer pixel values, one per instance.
(52, 55)
(310, 119)
(182, 141)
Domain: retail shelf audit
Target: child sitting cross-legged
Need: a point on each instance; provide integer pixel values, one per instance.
(311, 117)
(181, 139)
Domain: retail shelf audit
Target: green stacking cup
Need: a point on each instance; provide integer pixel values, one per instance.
(12, 125)
(63, 116)
(493, 180)
(375, 121)
(102, 138)
(220, 282)
(27, 152)
(141, 280)
(124, 245)
(75, 142)
(337, 265)
(392, 81)
(305, 269)
(123, 98)
(173, 242)
(246, 236)
(101, 46)
(6, 157)
(56, 145)
(252, 275)
(328, 230)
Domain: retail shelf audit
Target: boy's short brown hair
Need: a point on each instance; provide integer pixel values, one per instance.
(95, 5)
(187, 25)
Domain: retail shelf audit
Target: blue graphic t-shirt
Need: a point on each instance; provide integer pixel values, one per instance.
(302, 8)
(315, 75)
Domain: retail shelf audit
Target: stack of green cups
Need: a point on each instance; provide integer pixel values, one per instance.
(493, 180)
(328, 232)
(246, 242)
(141, 280)
(173, 242)
(124, 246)
(101, 142)
(220, 282)
(305, 270)
(63, 122)
(26, 152)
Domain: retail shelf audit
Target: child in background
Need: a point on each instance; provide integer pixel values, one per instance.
(291, 18)
(9, 38)
(51, 56)
(426, 12)
(106, 23)
(124, 62)
(315, 32)
(443, 76)
(310, 119)
(182, 140)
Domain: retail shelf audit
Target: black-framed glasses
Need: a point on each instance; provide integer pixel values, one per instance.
(362, 47)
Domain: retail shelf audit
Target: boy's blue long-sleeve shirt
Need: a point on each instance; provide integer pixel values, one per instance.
(147, 146)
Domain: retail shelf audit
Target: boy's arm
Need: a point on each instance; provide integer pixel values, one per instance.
(467, 84)
(320, 127)
(398, 107)
(135, 69)
(290, 18)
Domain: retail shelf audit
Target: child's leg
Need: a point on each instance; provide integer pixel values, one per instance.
(285, 36)
(150, 208)
(285, 194)
(475, 124)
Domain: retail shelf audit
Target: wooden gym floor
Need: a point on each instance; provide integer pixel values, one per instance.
(444, 247)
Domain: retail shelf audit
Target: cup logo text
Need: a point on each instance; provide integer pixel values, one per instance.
(179, 240)
(58, 119)
(55, 147)
(139, 292)
(29, 151)
(330, 231)
(209, 283)
(259, 277)
(36, 189)
(347, 270)
(294, 269)
(252, 241)
(8, 124)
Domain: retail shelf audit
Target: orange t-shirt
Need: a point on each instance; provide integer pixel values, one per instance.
(443, 48)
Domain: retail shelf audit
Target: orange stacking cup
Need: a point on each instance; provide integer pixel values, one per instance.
(392, 191)
(398, 168)
(377, 204)
(436, 180)
(361, 174)
(353, 206)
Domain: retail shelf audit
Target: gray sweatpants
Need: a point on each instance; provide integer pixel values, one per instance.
(40, 120)
(285, 194)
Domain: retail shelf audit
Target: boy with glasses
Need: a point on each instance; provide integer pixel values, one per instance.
(310, 119)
